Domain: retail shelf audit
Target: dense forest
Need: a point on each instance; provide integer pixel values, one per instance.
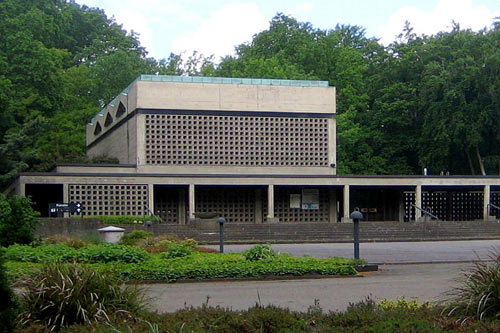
(423, 101)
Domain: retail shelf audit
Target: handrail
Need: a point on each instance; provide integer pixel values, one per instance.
(156, 217)
(426, 212)
(492, 205)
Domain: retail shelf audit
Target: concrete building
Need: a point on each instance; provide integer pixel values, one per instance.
(254, 150)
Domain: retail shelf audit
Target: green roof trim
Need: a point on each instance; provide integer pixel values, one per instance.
(232, 80)
(217, 80)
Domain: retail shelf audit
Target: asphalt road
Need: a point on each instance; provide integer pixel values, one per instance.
(425, 282)
(422, 270)
(391, 252)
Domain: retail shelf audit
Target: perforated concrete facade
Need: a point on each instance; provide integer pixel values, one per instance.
(99, 199)
(236, 140)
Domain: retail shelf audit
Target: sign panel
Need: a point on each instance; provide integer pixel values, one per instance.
(72, 207)
(310, 199)
(295, 201)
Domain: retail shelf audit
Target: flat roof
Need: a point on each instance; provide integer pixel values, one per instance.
(232, 80)
(215, 80)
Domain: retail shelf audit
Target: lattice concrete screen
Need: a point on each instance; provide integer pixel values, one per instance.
(467, 206)
(111, 199)
(167, 203)
(495, 199)
(285, 214)
(237, 205)
(236, 140)
(451, 206)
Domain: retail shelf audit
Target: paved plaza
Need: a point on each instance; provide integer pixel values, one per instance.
(421, 270)
(390, 252)
(425, 282)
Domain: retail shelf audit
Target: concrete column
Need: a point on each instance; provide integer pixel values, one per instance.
(141, 139)
(258, 206)
(486, 202)
(332, 205)
(181, 206)
(401, 215)
(192, 206)
(418, 202)
(347, 204)
(270, 203)
(332, 153)
(22, 189)
(151, 200)
(66, 198)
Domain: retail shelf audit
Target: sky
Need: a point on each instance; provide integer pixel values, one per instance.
(215, 27)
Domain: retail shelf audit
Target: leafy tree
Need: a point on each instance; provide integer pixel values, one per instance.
(17, 220)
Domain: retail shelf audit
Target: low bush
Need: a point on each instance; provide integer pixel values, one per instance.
(135, 236)
(66, 294)
(161, 243)
(101, 253)
(66, 240)
(8, 304)
(43, 253)
(478, 293)
(260, 252)
(198, 266)
(104, 253)
(177, 250)
(365, 316)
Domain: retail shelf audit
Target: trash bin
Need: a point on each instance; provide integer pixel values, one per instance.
(111, 234)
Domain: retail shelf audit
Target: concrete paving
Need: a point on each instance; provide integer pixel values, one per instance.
(426, 282)
(391, 252)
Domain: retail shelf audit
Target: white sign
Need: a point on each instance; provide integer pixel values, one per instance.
(310, 199)
(295, 201)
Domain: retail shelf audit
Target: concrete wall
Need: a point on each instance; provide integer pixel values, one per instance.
(74, 226)
(234, 97)
(121, 143)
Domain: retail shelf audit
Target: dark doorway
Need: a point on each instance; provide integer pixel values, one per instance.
(43, 194)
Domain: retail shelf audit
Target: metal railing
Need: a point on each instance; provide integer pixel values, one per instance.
(425, 212)
(490, 205)
(155, 217)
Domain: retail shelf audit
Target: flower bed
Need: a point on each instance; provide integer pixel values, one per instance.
(133, 263)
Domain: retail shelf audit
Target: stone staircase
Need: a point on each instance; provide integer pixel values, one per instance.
(335, 232)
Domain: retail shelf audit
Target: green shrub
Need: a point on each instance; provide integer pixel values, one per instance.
(65, 294)
(8, 304)
(177, 250)
(260, 252)
(105, 252)
(478, 293)
(43, 253)
(198, 266)
(123, 219)
(17, 220)
(65, 240)
(189, 243)
(101, 253)
(136, 235)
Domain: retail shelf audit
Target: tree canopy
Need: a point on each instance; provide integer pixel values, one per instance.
(423, 101)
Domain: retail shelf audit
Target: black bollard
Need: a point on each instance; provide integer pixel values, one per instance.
(221, 222)
(356, 216)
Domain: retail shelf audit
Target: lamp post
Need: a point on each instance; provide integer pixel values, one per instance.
(356, 216)
(221, 222)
